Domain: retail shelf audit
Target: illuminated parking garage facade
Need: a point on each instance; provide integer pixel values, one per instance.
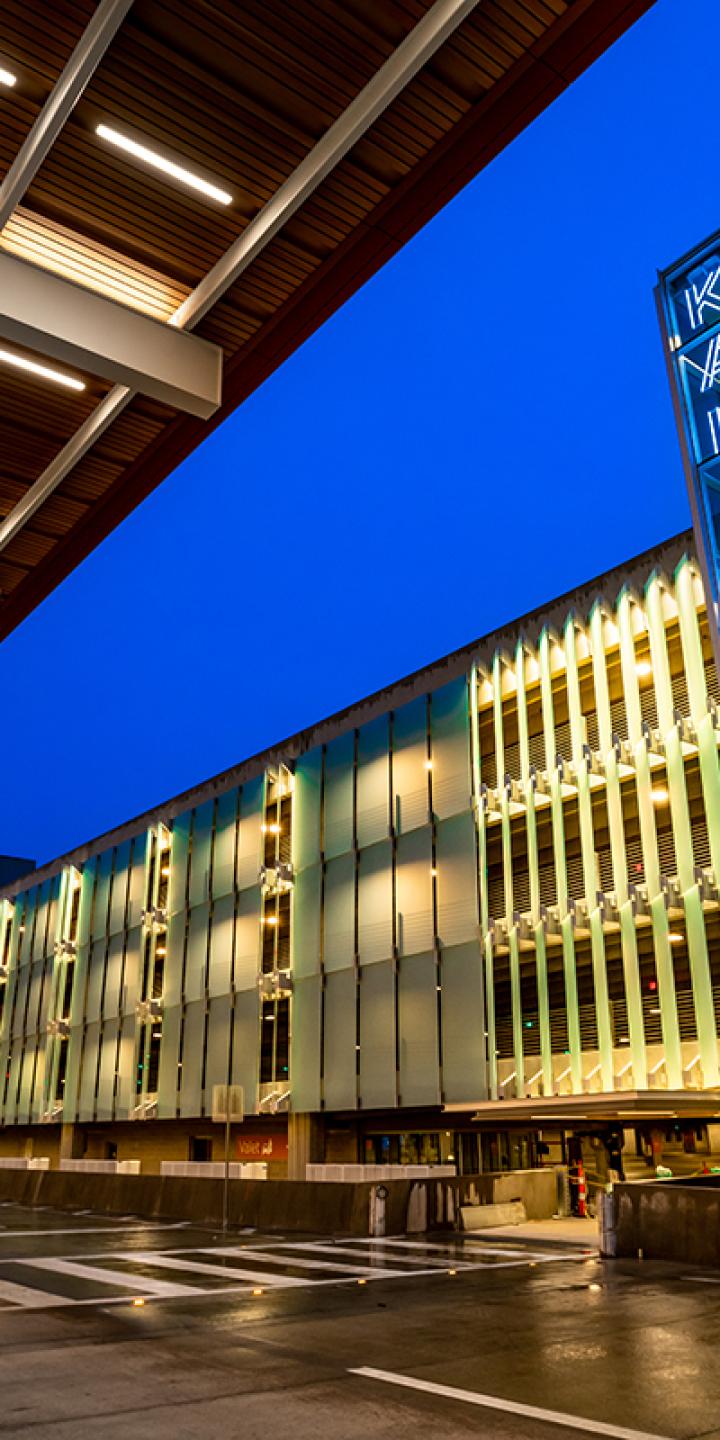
(495, 880)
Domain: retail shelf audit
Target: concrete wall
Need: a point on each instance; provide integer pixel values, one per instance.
(669, 1220)
(323, 1207)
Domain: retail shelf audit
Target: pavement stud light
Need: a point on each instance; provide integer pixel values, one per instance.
(362, 1282)
(138, 1301)
(257, 1291)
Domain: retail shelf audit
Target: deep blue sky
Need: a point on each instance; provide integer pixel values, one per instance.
(484, 425)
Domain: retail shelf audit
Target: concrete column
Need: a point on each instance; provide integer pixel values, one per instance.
(71, 1143)
(306, 1143)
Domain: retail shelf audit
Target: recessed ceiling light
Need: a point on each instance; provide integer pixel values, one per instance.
(659, 795)
(160, 162)
(7, 77)
(643, 668)
(675, 937)
(45, 372)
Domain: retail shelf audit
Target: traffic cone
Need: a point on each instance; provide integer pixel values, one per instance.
(582, 1207)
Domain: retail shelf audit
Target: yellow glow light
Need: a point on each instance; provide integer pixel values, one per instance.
(659, 795)
(643, 668)
(88, 263)
(428, 764)
(675, 937)
(257, 1291)
(138, 1301)
(45, 372)
(362, 1282)
(271, 919)
(156, 161)
(7, 77)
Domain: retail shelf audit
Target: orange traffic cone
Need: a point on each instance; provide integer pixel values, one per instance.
(582, 1207)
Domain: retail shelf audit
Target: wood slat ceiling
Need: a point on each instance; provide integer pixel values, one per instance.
(241, 90)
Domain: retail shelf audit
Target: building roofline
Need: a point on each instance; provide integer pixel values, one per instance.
(634, 572)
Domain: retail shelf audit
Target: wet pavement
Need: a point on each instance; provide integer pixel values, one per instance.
(117, 1327)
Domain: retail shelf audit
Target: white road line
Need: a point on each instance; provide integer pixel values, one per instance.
(470, 1247)
(92, 1230)
(512, 1407)
(113, 1277)
(28, 1298)
(301, 1262)
(455, 1260)
(167, 1262)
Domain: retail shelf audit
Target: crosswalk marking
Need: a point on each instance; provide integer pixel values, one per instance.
(28, 1298)
(343, 1250)
(306, 1263)
(266, 1265)
(161, 1288)
(171, 1262)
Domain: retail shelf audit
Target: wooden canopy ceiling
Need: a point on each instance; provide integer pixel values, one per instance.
(240, 90)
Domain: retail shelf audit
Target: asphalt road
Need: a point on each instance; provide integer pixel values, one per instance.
(265, 1336)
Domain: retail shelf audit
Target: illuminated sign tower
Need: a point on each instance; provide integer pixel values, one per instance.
(689, 305)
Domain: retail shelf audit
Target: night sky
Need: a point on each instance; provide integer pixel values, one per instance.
(486, 424)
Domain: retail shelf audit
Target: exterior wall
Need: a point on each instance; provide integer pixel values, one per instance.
(504, 885)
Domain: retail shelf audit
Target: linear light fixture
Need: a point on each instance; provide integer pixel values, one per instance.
(44, 372)
(156, 161)
(7, 77)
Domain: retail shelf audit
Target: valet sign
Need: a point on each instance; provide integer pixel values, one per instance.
(689, 306)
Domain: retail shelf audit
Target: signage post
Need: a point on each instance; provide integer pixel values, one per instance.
(688, 299)
(228, 1104)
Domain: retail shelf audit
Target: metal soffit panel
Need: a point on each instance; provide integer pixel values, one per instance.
(243, 95)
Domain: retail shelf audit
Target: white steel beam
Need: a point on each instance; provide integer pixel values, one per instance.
(79, 328)
(62, 100)
(397, 71)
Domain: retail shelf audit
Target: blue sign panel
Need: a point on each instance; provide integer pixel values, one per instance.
(689, 304)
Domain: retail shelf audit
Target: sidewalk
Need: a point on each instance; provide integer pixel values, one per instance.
(570, 1231)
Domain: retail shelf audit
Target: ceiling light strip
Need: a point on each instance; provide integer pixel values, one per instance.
(398, 70)
(155, 161)
(7, 77)
(45, 372)
(62, 100)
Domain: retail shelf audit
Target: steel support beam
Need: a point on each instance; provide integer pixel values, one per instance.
(413, 52)
(62, 100)
(86, 331)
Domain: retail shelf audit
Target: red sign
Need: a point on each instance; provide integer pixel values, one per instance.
(262, 1147)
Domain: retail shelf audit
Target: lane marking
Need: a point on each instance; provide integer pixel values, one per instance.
(29, 1299)
(112, 1277)
(513, 1407)
(702, 1279)
(168, 1262)
(459, 1261)
(472, 1247)
(94, 1230)
(301, 1262)
(326, 1248)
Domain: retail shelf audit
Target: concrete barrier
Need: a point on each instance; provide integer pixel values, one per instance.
(25, 1162)
(668, 1220)
(298, 1206)
(101, 1167)
(214, 1169)
(482, 1217)
(379, 1172)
